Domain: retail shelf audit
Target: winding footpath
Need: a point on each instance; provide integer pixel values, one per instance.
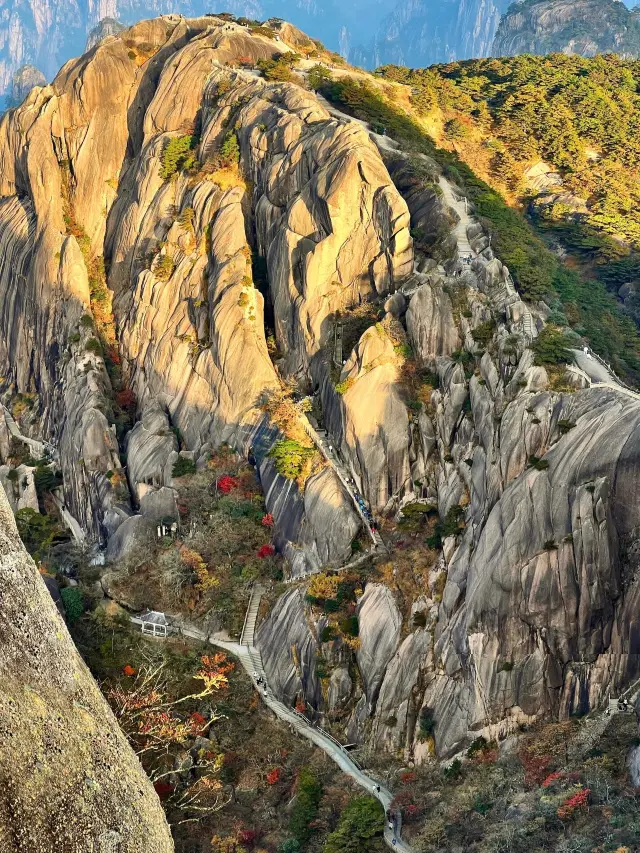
(249, 656)
(599, 374)
(460, 230)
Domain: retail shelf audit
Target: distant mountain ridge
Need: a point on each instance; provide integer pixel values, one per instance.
(582, 27)
(47, 33)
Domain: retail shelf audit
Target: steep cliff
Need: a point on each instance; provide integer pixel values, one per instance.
(69, 779)
(585, 27)
(423, 32)
(183, 234)
(309, 196)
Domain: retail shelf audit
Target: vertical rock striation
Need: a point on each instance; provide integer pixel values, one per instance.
(68, 778)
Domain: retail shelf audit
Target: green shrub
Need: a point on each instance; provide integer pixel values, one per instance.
(187, 218)
(305, 806)
(318, 77)
(277, 70)
(87, 321)
(94, 346)
(164, 267)
(73, 603)
(483, 333)
(13, 475)
(477, 745)
(38, 532)
(455, 129)
(454, 771)
(550, 347)
(350, 626)
(565, 426)
(183, 466)
(290, 457)
(360, 824)
(230, 150)
(327, 634)
(538, 464)
(46, 480)
(427, 723)
(291, 845)
(177, 155)
(343, 387)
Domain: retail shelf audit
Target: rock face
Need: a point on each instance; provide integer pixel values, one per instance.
(311, 200)
(537, 597)
(104, 28)
(24, 80)
(426, 31)
(432, 401)
(60, 743)
(583, 27)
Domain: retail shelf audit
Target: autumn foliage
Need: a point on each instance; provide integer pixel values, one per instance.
(227, 484)
(579, 800)
(274, 776)
(266, 551)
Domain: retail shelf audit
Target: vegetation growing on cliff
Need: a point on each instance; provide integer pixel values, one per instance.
(579, 299)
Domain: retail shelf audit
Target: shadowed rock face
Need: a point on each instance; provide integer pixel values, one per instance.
(68, 778)
(583, 27)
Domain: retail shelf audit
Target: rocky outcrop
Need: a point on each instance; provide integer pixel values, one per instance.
(24, 80)
(436, 404)
(60, 743)
(430, 323)
(314, 529)
(104, 28)
(583, 27)
(288, 649)
(379, 632)
(19, 487)
(369, 419)
(311, 197)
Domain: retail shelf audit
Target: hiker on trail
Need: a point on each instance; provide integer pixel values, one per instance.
(390, 825)
(376, 790)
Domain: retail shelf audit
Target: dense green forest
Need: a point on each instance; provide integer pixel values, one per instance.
(578, 297)
(581, 116)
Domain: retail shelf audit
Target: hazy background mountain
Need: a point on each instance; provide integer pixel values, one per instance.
(46, 33)
(584, 27)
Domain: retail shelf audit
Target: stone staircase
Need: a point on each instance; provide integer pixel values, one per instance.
(320, 439)
(251, 616)
(464, 220)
